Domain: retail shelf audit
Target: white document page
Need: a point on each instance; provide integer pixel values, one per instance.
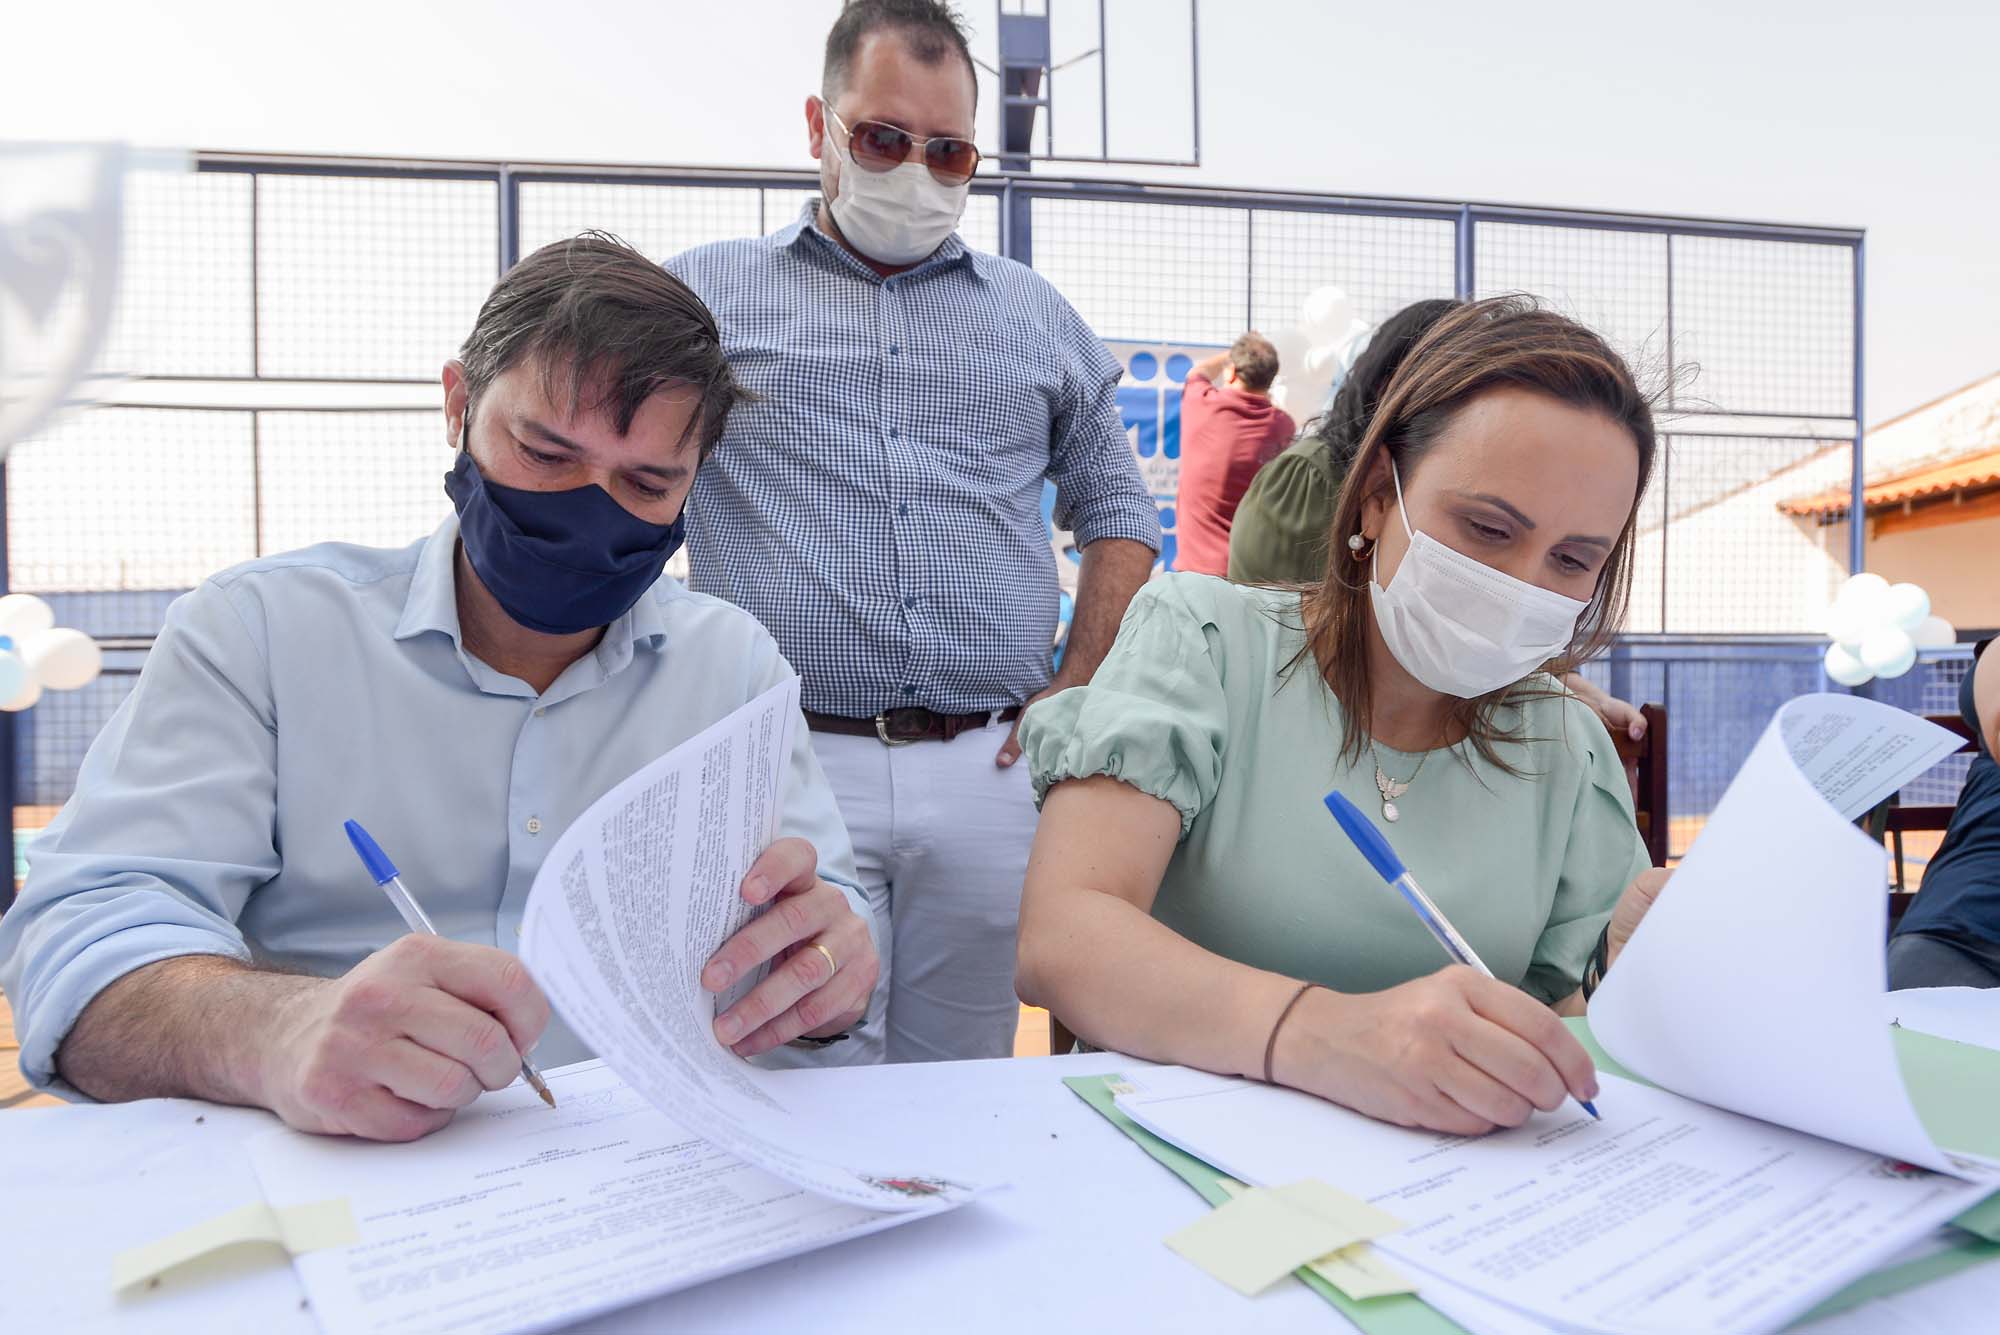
(1756, 981)
(80, 1184)
(1961, 1014)
(1854, 751)
(1665, 1216)
(516, 1218)
(633, 900)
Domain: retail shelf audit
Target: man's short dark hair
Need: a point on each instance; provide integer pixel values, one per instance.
(931, 30)
(602, 319)
(1255, 360)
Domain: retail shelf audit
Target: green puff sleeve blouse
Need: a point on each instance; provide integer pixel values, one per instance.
(1279, 532)
(1195, 705)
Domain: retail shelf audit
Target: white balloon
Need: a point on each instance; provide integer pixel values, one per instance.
(1326, 314)
(31, 691)
(23, 614)
(1934, 633)
(1907, 606)
(1844, 668)
(14, 674)
(1888, 652)
(1292, 346)
(1846, 626)
(62, 659)
(1865, 584)
(1320, 358)
(1864, 594)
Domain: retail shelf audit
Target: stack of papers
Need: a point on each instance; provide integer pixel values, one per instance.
(671, 1161)
(1781, 1159)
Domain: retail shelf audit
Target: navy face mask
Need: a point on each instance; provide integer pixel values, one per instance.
(558, 562)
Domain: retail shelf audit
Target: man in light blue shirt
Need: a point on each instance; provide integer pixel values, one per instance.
(194, 923)
(879, 509)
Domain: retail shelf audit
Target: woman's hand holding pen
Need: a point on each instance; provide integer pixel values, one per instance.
(390, 1050)
(823, 958)
(1454, 1051)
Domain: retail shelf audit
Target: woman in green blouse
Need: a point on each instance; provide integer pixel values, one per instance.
(1280, 530)
(1188, 898)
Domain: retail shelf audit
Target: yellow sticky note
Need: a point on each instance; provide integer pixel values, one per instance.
(1356, 1270)
(317, 1225)
(1360, 1272)
(296, 1228)
(1252, 1242)
(1365, 1221)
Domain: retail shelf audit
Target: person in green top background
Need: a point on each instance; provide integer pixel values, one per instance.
(1188, 898)
(1278, 533)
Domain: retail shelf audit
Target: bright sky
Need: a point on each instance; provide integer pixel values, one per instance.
(1801, 112)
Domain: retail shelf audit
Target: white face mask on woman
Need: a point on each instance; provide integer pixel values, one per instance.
(1458, 625)
(894, 217)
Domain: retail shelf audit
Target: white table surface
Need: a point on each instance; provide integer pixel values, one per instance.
(1073, 1244)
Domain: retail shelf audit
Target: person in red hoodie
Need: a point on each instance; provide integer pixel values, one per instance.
(1229, 430)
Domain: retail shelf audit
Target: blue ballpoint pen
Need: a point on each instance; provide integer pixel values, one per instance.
(385, 874)
(1384, 860)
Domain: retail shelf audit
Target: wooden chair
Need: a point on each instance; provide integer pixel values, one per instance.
(1645, 769)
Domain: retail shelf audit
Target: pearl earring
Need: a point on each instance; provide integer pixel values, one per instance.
(1355, 542)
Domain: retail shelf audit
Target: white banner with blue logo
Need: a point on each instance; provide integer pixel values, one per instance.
(1149, 404)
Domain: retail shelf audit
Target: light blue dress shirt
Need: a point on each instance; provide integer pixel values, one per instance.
(290, 694)
(879, 507)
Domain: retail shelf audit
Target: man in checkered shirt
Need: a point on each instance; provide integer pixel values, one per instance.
(880, 512)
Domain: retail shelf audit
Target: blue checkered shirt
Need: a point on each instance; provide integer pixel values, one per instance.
(880, 510)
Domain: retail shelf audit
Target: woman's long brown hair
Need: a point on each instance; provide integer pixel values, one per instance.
(1498, 343)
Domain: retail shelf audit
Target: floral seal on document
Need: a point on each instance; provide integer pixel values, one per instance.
(915, 1187)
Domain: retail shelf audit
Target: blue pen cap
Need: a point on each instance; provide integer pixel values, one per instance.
(1365, 836)
(372, 856)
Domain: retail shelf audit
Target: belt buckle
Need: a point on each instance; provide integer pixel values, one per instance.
(882, 728)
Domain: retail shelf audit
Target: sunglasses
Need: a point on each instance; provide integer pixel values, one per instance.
(880, 147)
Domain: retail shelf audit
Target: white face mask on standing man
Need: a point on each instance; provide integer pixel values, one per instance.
(895, 200)
(1458, 625)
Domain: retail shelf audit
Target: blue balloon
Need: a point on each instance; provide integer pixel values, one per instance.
(13, 675)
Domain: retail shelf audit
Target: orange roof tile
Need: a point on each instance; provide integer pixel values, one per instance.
(1972, 472)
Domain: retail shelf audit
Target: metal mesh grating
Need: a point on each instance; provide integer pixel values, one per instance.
(1147, 272)
(370, 279)
(1769, 323)
(130, 498)
(1383, 264)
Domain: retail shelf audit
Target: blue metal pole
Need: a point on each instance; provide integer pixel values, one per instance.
(510, 220)
(1194, 77)
(1857, 510)
(1463, 277)
(1017, 232)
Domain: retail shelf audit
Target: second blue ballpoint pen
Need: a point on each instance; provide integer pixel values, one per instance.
(385, 874)
(1383, 859)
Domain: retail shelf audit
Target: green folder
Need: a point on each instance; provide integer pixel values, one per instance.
(1955, 1086)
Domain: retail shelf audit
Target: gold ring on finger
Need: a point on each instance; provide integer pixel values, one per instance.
(832, 967)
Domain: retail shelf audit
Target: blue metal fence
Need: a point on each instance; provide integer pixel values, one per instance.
(1720, 694)
(345, 282)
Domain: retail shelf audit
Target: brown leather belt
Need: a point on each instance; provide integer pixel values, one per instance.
(900, 727)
